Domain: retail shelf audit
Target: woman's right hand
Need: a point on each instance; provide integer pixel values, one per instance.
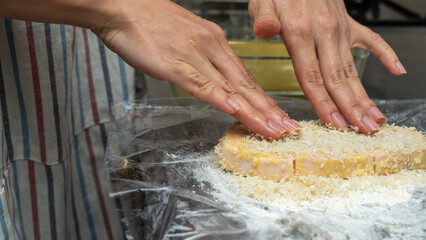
(167, 42)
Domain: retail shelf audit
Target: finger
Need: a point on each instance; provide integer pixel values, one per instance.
(249, 89)
(356, 86)
(309, 76)
(374, 43)
(337, 85)
(266, 24)
(231, 67)
(221, 38)
(224, 98)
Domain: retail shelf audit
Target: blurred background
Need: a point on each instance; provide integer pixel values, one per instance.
(402, 23)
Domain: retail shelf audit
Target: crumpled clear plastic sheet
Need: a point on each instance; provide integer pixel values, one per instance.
(166, 188)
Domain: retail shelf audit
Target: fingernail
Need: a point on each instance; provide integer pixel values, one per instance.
(233, 104)
(401, 68)
(370, 123)
(375, 113)
(338, 120)
(276, 126)
(291, 125)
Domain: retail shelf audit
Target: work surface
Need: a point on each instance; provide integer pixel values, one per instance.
(169, 186)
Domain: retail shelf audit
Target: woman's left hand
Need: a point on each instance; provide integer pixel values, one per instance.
(319, 35)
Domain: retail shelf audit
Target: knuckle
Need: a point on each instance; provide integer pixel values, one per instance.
(198, 80)
(270, 108)
(174, 67)
(337, 78)
(355, 107)
(204, 34)
(313, 79)
(300, 27)
(331, 25)
(375, 37)
(228, 88)
(218, 31)
(253, 113)
(248, 83)
(350, 69)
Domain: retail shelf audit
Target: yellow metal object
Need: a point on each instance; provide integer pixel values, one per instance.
(259, 49)
(271, 66)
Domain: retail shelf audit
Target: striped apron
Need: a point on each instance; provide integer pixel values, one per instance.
(57, 86)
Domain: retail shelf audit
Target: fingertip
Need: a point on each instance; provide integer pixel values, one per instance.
(377, 115)
(400, 68)
(394, 66)
(269, 130)
(338, 121)
(362, 122)
(277, 126)
(272, 130)
(233, 105)
(381, 120)
(259, 124)
(370, 126)
(291, 126)
(266, 28)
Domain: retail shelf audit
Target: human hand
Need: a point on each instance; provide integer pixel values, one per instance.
(319, 35)
(167, 42)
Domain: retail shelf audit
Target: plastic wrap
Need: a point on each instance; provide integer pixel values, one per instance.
(168, 185)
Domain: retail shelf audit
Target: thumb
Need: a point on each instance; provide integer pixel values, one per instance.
(369, 40)
(266, 23)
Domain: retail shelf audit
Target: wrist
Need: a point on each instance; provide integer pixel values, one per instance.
(82, 13)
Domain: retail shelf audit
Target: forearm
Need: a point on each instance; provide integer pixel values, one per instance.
(167, 42)
(83, 13)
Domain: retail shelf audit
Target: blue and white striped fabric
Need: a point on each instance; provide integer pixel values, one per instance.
(57, 86)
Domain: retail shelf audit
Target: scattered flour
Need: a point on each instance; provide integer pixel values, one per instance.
(330, 194)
